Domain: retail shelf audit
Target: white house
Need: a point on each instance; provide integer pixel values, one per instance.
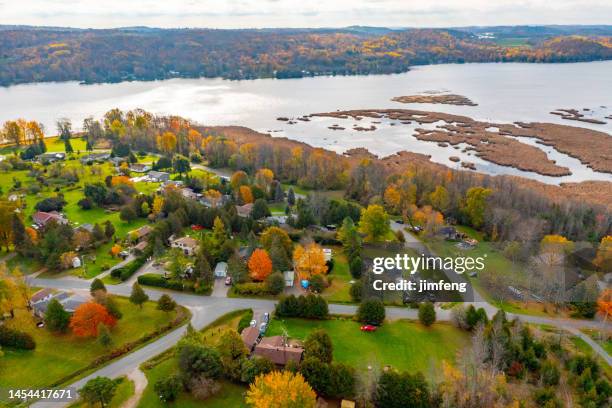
(187, 244)
(289, 278)
(327, 252)
(221, 270)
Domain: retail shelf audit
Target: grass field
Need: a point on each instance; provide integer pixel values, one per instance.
(404, 345)
(494, 261)
(340, 276)
(58, 355)
(230, 395)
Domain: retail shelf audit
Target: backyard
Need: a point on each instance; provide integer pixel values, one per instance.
(404, 345)
(59, 355)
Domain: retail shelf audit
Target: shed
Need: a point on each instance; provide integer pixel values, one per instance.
(289, 278)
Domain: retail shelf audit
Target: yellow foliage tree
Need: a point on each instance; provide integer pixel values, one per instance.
(158, 204)
(263, 178)
(166, 142)
(309, 261)
(603, 259)
(281, 390)
(246, 195)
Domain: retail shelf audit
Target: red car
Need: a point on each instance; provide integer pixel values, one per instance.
(197, 228)
(368, 328)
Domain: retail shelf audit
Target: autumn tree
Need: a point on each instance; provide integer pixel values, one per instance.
(374, 223)
(264, 178)
(281, 390)
(440, 199)
(475, 204)
(260, 265)
(272, 235)
(166, 142)
(604, 304)
(87, 318)
(239, 178)
(309, 260)
(245, 194)
(603, 259)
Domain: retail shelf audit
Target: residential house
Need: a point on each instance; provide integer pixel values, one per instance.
(52, 157)
(189, 194)
(274, 349)
(85, 227)
(41, 218)
(140, 247)
(158, 176)
(221, 270)
(289, 278)
(140, 167)
(116, 161)
(187, 244)
(244, 210)
(327, 253)
(276, 219)
(41, 296)
(141, 233)
(70, 302)
(250, 337)
(95, 158)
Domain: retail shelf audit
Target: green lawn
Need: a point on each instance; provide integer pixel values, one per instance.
(230, 395)
(340, 276)
(277, 208)
(603, 342)
(495, 262)
(405, 345)
(58, 355)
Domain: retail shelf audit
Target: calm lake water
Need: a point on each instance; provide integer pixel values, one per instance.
(503, 92)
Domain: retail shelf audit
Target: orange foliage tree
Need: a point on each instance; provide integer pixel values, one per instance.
(117, 180)
(309, 261)
(260, 265)
(87, 317)
(282, 390)
(603, 260)
(604, 304)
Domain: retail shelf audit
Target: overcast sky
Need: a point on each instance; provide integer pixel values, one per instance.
(302, 13)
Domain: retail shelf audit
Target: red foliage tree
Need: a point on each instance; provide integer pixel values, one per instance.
(260, 265)
(88, 317)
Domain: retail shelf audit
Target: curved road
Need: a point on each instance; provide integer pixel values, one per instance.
(206, 309)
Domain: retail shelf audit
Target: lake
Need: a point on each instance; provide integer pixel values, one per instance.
(504, 93)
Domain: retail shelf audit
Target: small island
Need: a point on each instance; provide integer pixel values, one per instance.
(444, 99)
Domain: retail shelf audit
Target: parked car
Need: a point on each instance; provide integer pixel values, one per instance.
(228, 281)
(262, 328)
(368, 328)
(400, 221)
(266, 317)
(124, 254)
(253, 323)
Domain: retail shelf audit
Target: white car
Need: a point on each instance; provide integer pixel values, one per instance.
(253, 323)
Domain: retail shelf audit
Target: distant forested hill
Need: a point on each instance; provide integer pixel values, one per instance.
(38, 54)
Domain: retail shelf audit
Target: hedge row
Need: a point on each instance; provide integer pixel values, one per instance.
(156, 280)
(309, 307)
(125, 272)
(251, 289)
(16, 339)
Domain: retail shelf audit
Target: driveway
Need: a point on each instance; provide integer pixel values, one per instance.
(219, 288)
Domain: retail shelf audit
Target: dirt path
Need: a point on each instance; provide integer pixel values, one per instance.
(140, 383)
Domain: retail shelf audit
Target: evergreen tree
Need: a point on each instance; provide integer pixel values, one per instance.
(97, 285)
(166, 303)
(138, 296)
(104, 336)
(427, 314)
(56, 317)
(291, 197)
(203, 269)
(68, 146)
(19, 233)
(109, 229)
(98, 233)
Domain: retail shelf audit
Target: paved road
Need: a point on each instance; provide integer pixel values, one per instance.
(206, 309)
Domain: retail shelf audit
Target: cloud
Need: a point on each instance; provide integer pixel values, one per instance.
(300, 13)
